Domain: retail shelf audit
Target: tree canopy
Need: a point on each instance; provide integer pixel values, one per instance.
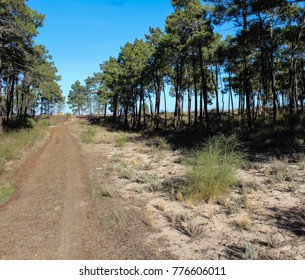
(28, 77)
(261, 64)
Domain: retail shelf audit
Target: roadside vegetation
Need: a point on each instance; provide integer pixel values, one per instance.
(214, 168)
(13, 145)
(228, 197)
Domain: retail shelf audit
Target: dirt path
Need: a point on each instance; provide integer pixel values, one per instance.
(52, 214)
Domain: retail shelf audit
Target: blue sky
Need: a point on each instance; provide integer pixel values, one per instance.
(81, 34)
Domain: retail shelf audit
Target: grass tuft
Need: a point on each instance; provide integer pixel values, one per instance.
(244, 222)
(98, 190)
(214, 168)
(7, 189)
(120, 141)
(88, 135)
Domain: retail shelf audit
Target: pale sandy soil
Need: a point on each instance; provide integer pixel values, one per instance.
(263, 218)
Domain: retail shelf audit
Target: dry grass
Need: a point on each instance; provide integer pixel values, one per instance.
(248, 202)
(149, 218)
(179, 196)
(254, 199)
(161, 205)
(244, 222)
(98, 189)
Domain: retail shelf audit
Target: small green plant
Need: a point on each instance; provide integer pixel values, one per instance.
(294, 187)
(190, 228)
(121, 140)
(128, 174)
(301, 165)
(6, 191)
(281, 171)
(151, 180)
(214, 168)
(274, 240)
(43, 123)
(232, 208)
(98, 190)
(88, 135)
(250, 252)
(194, 229)
(158, 142)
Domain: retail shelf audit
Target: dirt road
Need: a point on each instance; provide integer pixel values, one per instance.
(52, 214)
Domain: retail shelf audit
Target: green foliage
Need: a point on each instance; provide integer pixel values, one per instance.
(77, 98)
(120, 140)
(98, 190)
(87, 136)
(12, 143)
(43, 123)
(214, 168)
(7, 189)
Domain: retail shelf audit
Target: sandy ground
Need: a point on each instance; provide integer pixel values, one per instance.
(118, 198)
(52, 215)
(262, 218)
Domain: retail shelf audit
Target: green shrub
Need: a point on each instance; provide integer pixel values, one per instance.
(43, 123)
(214, 168)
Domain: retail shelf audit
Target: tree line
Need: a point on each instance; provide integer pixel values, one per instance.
(28, 77)
(261, 65)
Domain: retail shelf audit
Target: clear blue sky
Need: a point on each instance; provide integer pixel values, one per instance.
(81, 34)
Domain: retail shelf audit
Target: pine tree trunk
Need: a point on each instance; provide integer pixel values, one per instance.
(205, 92)
(246, 76)
(189, 105)
(195, 88)
(165, 109)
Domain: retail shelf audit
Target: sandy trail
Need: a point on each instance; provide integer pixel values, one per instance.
(52, 215)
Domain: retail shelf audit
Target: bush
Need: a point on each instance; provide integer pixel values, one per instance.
(214, 168)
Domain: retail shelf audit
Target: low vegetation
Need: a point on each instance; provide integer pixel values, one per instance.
(251, 196)
(6, 191)
(214, 169)
(14, 142)
(12, 146)
(87, 136)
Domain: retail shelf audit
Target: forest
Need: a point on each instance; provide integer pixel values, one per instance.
(28, 76)
(189, 144)
(255, 74)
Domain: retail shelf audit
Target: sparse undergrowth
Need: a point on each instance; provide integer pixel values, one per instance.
(87, 136)
(241, 196)
(12, 146)
(98, 189)
(12, 143)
